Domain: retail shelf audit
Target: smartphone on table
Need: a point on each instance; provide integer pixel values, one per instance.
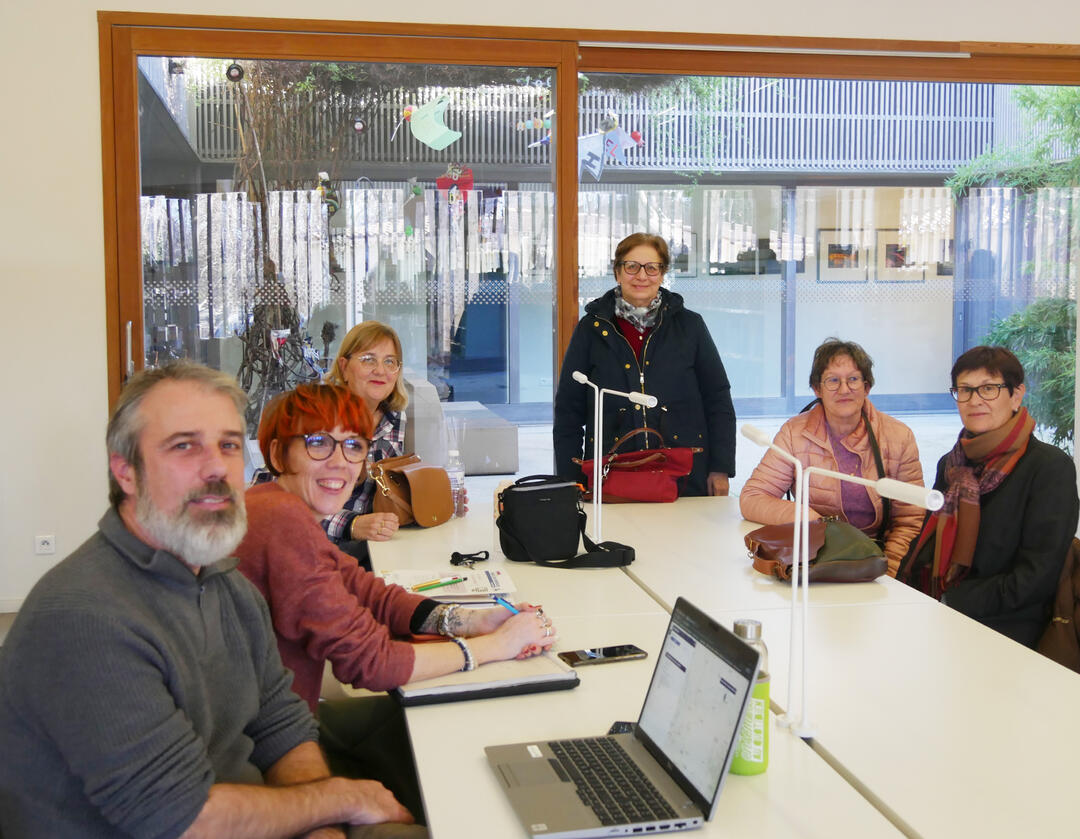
(602, 655)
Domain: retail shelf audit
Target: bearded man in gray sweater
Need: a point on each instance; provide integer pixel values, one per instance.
(141, 691)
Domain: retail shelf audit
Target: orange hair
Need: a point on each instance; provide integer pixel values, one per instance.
(310, 408)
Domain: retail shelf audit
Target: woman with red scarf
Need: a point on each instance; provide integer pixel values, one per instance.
(995, 550)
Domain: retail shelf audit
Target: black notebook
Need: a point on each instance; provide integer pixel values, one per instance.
(497, 678)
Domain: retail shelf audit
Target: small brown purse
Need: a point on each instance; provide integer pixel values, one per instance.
(414, 491)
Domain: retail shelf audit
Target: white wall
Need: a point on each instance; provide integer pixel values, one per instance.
(51, 251)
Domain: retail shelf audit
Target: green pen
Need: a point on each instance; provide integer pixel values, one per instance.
(449, 581)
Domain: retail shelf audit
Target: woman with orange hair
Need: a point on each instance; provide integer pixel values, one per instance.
(323, 605)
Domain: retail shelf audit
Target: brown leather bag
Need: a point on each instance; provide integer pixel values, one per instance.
(840, 552)
(413, 490)
(1060, 639)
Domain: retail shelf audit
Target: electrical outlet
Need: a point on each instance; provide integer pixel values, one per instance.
(45, 544)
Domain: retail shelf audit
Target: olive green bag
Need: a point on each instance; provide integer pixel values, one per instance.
(841, 552)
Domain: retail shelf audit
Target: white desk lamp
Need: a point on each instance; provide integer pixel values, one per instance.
(907, 493)
(758, 436)
(599, 393)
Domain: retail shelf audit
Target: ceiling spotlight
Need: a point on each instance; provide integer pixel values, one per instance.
(234, 72)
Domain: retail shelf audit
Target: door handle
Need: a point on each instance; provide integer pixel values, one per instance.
(129, 366)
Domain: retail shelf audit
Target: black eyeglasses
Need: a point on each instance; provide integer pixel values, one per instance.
(632, 268)
(320, 446)
(989, 392)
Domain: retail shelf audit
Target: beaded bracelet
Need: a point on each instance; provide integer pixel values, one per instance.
(444, 619)
(470, 662)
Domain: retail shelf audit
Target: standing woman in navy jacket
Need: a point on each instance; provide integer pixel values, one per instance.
(640, 337)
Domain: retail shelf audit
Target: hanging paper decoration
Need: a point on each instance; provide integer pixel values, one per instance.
(406, 115)
(538, 124)
(591, 155)
(616, 142)
(607, 146)
(456, 176)
(427, 126)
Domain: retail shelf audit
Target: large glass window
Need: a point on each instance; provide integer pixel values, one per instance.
(917, 218)
(282, 202)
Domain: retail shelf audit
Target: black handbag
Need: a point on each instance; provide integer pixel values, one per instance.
(541, 520)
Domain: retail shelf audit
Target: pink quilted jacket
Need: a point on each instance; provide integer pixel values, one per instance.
(807, 437)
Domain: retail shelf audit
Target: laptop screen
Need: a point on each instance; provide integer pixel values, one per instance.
(693, 710)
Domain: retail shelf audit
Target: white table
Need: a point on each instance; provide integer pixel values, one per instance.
(799, 795)
(562, 592)
(955, 728)
(952, 727)
(694, 548)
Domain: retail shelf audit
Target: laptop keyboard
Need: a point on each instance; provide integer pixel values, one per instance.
(609, 782)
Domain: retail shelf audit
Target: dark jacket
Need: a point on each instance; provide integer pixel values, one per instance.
(680, 367)
(1025, 527)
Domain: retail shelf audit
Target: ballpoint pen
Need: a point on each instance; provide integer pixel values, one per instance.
(447, 581)
(505, 603)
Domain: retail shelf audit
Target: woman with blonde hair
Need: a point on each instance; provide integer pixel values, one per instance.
(369, 364)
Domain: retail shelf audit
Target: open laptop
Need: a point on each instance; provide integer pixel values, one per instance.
(677, 755)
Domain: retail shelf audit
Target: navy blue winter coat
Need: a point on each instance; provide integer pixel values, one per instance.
(680, 366)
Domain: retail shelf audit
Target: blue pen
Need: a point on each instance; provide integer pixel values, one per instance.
(505, 603)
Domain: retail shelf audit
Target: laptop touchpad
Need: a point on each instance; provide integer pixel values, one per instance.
(529, 772)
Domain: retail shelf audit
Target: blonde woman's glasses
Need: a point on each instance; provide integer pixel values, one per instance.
(369, 362)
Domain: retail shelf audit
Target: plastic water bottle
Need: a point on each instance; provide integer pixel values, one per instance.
(455, 469)
(752, 750)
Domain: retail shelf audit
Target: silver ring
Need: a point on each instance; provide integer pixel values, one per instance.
(547, 631)
(539, 611)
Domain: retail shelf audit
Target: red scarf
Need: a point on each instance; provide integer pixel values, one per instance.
(975, 466)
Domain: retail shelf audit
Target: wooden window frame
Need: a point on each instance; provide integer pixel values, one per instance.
(122, 36)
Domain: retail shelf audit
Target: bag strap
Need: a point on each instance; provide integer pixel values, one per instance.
(603, 555)
(633, 433)
(886, 503)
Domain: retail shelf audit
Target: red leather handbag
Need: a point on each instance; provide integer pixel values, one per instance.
(650, 475)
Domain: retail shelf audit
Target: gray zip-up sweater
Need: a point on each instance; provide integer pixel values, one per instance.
(128, 686)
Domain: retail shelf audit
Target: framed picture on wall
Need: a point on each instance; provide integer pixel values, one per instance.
(840, 258)
(892, 262)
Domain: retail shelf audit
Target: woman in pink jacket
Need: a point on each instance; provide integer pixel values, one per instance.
(842, 432)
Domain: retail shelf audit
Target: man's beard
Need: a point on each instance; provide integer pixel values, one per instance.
(197, 537)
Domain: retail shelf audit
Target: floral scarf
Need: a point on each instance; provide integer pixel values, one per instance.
(975, 466)
(640, 317)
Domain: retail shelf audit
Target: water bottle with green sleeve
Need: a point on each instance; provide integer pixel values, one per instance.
(752, 750)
